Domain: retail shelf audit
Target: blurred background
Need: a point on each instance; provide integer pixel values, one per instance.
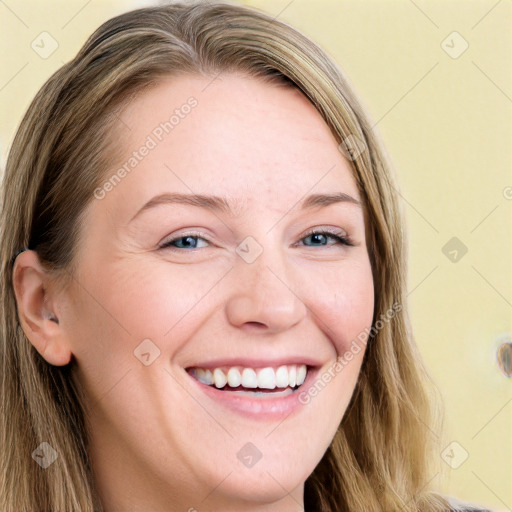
(435, 77)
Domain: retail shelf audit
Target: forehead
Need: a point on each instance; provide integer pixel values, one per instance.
(232, 136)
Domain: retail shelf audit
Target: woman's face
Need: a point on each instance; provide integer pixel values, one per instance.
(235, 284)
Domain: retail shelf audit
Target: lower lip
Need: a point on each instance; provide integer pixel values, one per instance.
(266, 407)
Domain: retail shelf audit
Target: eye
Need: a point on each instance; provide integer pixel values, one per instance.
(322, 235)
(189, 240)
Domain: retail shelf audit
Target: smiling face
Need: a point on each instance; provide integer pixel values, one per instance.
(168, 292)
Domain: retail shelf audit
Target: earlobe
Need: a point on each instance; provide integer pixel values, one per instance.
(36, 309)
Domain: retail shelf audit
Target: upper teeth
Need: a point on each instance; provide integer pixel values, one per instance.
(267, 378)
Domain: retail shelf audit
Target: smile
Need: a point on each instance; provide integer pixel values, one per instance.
(269, 378)
(262, 392)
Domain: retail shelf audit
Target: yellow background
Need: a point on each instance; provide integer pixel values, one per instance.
(446, 123)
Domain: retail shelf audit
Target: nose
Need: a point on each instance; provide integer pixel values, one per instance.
(265, 294)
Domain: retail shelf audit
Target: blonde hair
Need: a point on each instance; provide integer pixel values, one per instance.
(381, 456)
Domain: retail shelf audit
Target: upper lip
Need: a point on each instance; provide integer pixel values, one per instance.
(257, 362)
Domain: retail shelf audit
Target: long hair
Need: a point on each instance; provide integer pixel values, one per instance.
(383, 454)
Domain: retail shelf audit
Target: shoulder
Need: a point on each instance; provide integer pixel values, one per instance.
(457, 505)
(470, 508)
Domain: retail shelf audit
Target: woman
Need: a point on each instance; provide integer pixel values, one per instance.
(204, 282)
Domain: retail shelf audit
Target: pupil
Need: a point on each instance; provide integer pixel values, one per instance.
(188, 239)
(317, 235)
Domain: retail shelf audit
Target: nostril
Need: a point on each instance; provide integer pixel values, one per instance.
(255, 324)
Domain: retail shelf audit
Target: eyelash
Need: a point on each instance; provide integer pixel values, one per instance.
(341, 239)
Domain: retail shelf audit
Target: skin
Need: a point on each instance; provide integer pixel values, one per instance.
(157, 443)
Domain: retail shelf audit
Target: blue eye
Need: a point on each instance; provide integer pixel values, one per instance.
(186, 241)
(321, 236)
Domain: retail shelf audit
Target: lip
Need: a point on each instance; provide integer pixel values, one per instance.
(257, 363)
(258, 408)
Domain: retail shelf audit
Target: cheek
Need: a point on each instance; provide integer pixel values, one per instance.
(342, 300)
(157, 300)
(116, 308)
(143, 299)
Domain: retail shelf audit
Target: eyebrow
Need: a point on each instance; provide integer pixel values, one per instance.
(223, 205)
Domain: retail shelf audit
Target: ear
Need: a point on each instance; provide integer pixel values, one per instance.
(36, 300)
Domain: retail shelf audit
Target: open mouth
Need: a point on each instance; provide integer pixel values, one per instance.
(275, 381)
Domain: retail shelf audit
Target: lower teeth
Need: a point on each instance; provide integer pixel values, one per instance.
(258, 391)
